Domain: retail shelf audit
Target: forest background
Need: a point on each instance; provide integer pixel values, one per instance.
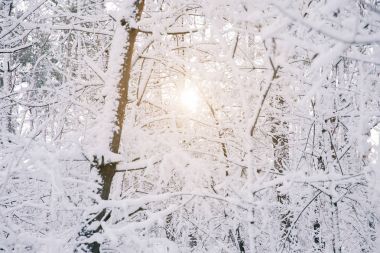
(189, 126)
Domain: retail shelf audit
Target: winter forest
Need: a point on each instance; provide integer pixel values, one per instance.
(190, 126)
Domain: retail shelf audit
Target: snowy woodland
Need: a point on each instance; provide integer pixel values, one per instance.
(190, 126)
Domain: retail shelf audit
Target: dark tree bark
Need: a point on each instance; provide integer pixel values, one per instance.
(107, 170)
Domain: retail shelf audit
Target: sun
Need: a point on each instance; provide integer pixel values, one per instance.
(189, 99)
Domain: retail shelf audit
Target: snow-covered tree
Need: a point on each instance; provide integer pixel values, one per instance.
(189, 126)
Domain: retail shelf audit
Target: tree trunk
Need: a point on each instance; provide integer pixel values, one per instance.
(107, 170)
(280, 143)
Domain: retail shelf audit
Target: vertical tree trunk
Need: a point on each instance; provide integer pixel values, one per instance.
(7, 125)
(336, 233)
(6, 79)
(280, 143)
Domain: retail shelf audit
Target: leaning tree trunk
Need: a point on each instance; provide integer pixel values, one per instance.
(107, 170)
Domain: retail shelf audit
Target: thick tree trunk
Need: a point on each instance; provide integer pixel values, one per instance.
(107, 170)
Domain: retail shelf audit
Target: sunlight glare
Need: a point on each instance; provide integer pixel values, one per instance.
(189, 99)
